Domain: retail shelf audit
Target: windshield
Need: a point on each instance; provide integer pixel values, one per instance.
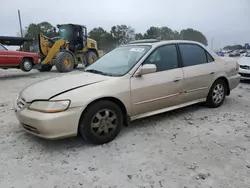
(2, 47)
(65, 32)
(119, 61)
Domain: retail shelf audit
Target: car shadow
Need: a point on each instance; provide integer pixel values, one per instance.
(181, 112)
(18, 75)
(66, 144)
(78, 143)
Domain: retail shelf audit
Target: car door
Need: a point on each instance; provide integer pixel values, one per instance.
(14, 58)
(198, 71)
(161, 89)
(3, 56)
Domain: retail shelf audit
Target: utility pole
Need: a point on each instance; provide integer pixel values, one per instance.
(20, 23)
(212, 43)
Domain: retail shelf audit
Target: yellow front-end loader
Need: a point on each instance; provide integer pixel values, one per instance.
(71, 48)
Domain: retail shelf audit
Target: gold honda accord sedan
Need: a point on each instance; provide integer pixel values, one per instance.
(133, 81)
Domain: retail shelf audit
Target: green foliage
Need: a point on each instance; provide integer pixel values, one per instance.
(118, 34)
(152, 33)
(138, 36)
(234, 47)
(33, 30)
(191, 34)
(103, 38)
(46, 28)
(122, 34)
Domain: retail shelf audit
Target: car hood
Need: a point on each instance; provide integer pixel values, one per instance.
(244, 61)
(22, 53)
(47, 89)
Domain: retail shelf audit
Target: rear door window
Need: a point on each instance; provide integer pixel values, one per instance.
(192, 54)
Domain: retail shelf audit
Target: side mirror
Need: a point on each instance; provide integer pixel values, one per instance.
(145, 69)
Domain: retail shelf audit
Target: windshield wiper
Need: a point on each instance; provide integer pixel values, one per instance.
(97, 72)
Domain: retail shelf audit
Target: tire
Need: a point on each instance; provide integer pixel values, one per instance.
(64, 62)
(217, 94)
(45, 68)
(108, 128)
(26, 65)
(91, 57)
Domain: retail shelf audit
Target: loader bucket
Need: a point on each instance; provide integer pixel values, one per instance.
(53, 51)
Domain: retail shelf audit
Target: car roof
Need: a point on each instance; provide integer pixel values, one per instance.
(162, 42)
(159, 43)
(14, 41)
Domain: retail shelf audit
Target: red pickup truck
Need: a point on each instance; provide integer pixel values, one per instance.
(17, 59)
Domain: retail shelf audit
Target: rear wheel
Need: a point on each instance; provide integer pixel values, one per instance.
(101, 122)
(217, 94)
(64, 62)
(91, 57)
(26, 65)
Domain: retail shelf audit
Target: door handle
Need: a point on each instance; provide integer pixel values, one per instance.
(212, 73)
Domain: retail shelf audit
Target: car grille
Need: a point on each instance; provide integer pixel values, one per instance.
(245, 67)
(244, 75)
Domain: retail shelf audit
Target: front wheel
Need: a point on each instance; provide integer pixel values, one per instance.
(64, 62)
(217, 94)
(101, 122)
(26, 65)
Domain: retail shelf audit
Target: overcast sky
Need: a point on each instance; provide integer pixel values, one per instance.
(223, 21)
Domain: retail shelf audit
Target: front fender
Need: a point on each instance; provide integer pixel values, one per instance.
(82, 97)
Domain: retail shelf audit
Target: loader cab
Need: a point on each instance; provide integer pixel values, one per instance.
(76, 35)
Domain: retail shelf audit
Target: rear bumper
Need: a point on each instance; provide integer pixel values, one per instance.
(50, 125)
(234, 81)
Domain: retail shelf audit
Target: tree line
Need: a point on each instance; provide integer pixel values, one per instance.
(235, 47)
(118, 34)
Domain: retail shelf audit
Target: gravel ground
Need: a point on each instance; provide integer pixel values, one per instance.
(190, 147)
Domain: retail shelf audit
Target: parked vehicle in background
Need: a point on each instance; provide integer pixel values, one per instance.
(17, 59)
(133, 81)
(235, 53)
(244, 67)
(229, 51)
(242, 51)
(232, 54)
(220, 53)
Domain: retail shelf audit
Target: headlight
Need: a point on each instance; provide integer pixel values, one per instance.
(49, 106)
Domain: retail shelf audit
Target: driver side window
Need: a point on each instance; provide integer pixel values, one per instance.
(154, 57)
(164, 57)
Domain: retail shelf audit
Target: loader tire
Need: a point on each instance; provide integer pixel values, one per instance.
(64, 62)
(91, 57)
(45, 68)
